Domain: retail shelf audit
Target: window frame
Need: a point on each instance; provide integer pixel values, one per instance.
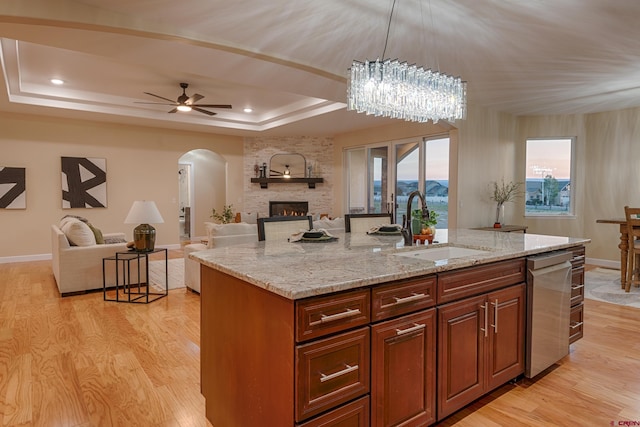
(571, 213)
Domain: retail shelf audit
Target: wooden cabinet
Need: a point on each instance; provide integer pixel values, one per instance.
(403, 370)
(480, 346)
(576, 324)
(354, 414)
(331, 371)
(403, 353)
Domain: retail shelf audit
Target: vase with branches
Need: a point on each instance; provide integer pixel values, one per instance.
(504, 192)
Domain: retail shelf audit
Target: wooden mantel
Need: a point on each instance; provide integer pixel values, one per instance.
(264, 182)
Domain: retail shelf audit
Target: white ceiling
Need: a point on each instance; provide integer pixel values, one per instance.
(288, 60)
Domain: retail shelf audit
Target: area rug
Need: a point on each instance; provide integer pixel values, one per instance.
(603, 284)
(176, 273)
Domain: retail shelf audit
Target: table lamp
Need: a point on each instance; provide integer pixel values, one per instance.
(144, 212)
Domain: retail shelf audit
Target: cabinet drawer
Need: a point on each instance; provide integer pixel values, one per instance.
(403, 297)
(577, 285)
(320, 316)
(331, 371)
(471, 281)
(576, 323)
(354, 414)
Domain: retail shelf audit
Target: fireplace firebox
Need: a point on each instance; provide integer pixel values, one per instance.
(288, 208)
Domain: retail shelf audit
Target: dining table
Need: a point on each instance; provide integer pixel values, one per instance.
(623, 245)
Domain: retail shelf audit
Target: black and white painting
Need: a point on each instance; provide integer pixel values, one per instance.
(13, 188)
(84, 182)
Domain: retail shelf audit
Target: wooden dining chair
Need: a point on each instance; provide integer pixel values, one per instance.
(633, 262)
(282, 227)
(361, 223)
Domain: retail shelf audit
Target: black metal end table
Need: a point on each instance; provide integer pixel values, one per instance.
(134, 265)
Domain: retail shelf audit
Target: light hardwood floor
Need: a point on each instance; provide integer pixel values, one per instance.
(80, 361)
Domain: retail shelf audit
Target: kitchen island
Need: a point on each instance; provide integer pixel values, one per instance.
(352, 331)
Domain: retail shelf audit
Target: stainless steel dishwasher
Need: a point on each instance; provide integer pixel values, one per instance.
(548, 310)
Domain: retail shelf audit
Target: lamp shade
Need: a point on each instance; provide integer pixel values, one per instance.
(144, 212)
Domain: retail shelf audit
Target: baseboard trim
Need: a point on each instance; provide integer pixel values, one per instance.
(603, 263)
(25, 258)
(45, 257)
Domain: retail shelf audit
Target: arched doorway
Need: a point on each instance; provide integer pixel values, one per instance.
(202, 186)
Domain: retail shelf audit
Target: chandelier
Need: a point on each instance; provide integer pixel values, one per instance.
(390, 88)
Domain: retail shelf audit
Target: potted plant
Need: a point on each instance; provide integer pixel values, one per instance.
(429, 224)
(503, 193)
(423, 226)
(225, 217)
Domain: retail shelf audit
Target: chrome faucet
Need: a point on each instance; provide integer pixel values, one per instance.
(406, 227)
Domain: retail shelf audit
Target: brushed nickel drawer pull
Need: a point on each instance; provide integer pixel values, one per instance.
(485, 308)
(495, 316)
(330, 318)
(415, 327)
(576, 325)
(349, 368)
(576, 287)
(413, 297)
(578, 258)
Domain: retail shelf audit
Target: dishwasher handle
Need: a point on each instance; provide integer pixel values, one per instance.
(548, 259)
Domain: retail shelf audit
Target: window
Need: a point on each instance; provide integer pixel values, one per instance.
(549, 175)
(380, 178)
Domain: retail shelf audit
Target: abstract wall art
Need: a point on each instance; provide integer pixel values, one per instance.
(84, 182)
(13, 188)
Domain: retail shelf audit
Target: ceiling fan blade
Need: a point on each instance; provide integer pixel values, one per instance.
(210, 113)
(175, 110)
(213, 105)
(195, 98)
(153, 103)
(161, 97)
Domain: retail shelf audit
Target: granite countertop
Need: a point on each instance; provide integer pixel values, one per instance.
(303, 269)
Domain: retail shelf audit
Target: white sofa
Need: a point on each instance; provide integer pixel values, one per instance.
(218, 235)
(222, 235)
(79, 268)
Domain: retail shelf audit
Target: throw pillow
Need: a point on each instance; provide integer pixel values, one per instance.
(249, 217)
(232, 229)
(329, 224)
(97, 233)
(78, 233)
(110, 240)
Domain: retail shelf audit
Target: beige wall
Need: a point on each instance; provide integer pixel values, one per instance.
(611, 176)
(141, 164)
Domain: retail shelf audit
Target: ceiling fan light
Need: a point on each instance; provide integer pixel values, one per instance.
(184, 108)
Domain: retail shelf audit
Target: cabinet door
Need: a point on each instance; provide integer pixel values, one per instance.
(403, 370)
(462, 327)
(505, 358)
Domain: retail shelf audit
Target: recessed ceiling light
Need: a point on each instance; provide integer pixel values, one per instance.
(248, 110)
(57, 81)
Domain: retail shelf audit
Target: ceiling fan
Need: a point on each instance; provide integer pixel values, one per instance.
(186, 102)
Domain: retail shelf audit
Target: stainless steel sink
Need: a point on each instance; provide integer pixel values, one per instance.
(442, 253)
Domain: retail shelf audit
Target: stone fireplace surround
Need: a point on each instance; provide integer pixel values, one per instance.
(288, 208)
(318, 151)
